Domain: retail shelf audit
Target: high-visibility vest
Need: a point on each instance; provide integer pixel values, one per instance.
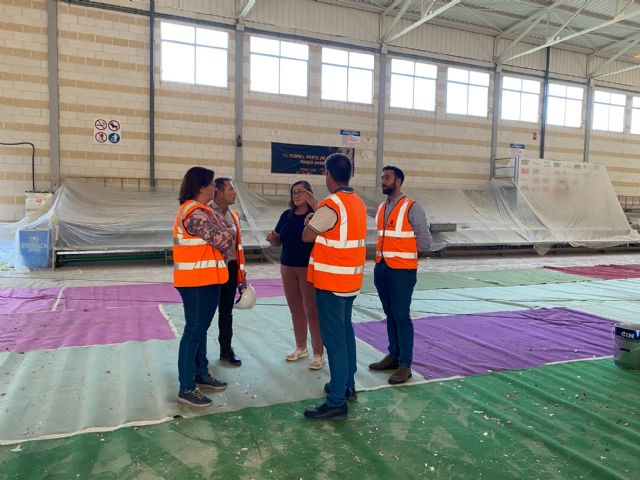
(338, 255)
(239, 250)
(195, 262)
(397, 243)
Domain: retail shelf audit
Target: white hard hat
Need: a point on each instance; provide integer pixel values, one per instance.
(247, 298)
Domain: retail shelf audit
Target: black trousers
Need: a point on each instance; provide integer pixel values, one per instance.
(225, 308)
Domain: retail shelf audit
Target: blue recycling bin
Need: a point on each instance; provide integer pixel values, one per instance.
(34, 248)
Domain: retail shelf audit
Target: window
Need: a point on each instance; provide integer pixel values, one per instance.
(467, 92)
(278, 66)
(413, 85)
(347, 76)
(194, 55)
(564, 105)
(608, 111)
(520, 99)
(635, 115)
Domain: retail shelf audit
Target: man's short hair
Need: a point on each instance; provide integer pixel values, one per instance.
(396, 171)
(340, 167)
(218, 183)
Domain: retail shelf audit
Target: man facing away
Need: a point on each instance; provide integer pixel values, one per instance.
(336, 269)
(403, 236)
(225, 196)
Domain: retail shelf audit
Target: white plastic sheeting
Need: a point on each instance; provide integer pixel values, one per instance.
(88, 216)
(552, 203)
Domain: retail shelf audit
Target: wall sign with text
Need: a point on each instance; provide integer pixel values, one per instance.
(303, 159)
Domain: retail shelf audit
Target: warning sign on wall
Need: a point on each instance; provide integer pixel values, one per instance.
(350, 138)
(107, 131)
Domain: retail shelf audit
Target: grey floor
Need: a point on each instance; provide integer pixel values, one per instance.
(87, 379)
(158, 273)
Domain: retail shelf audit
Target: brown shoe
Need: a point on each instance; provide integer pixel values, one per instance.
(387, 363)
(401, 375)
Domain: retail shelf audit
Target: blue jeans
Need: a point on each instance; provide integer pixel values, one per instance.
(334, 315)
(200, 304)
(395, 287)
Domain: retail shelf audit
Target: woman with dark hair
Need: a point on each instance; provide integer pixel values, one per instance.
(294, 259)
(199, 237)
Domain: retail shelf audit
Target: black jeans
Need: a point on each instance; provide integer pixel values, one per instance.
(225, 309)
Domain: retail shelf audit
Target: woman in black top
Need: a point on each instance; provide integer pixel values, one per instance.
(294, 259)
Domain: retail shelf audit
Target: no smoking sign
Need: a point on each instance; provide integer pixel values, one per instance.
(107, 131)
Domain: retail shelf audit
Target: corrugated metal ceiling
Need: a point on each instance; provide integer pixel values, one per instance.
(510, 18)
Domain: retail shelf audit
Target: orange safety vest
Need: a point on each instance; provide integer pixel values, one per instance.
(195, 262)
(239, 249)
(338, 255)
(397, 242)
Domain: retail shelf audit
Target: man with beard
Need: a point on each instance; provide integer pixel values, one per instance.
(403, 236)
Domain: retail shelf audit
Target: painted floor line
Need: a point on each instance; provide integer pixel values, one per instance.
(411, 383)
(87, 430)
(168, 319)
(58, 298)
(579, 360)
(424, 381)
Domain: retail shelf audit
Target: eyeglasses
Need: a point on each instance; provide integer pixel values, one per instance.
(298, 192)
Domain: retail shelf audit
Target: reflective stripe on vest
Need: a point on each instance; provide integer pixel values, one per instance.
(340, 243)
(200, 264)
(394, 234)
(397, 243)
(195, 262)
(323, 267)
(239, 249)
(388, 254)
(188, 241)
(338, 256)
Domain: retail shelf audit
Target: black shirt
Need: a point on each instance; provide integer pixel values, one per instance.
(295, 252)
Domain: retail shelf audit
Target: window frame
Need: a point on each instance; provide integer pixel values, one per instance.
(414, 76)
(194, 47)
(279, 57)
(467, 86)
(348, 67)
(566, 98)
(521, 94)
(609, 106)
(634, 128)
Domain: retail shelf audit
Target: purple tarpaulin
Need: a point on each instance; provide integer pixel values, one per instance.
(96, 297)
(25, 300)
(48, 318)
(604, 272)
(14, 300)
(451, 345)
(22, 332)
(267, 287)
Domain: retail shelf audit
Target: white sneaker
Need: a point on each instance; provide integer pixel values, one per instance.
(297, 354)
(317, 362)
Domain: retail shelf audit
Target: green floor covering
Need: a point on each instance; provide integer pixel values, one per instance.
(485, 278)
(79, 381)
(573, 420)
(48, 393)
